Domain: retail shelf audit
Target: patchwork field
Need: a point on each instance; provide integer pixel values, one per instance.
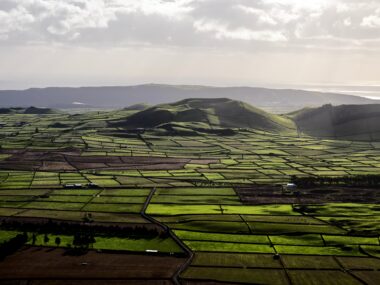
(183, 208)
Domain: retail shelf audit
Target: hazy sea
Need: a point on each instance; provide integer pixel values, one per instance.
(371, 92)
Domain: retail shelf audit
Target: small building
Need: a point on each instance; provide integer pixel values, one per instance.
(20, 124)
(73, 186)
(92, 185)
(151, 250)
(289, 188)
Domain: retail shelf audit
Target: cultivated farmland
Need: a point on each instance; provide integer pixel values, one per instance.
(97, 201)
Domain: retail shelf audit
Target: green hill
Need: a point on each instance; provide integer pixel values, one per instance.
(30, 110)
(11, 110)
(137, 107)
(351, 122)
(207, 114)
(40, 111)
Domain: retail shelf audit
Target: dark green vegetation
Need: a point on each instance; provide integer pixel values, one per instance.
(351, 122)
(168, 191)
(352, 181)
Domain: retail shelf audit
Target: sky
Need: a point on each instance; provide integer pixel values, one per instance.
(312, 43)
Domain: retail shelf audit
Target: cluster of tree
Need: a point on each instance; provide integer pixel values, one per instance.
(351, 181)
(12, 245)
(57, 240)
(213, 183)
(84, 239)
(71, 228)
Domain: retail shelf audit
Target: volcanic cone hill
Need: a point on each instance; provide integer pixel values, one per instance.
(207, 113)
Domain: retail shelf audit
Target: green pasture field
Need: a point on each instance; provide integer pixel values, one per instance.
(310, 262)
(162, 245)
(7, 212)
(370, 277)
(372, 250)
(249, 276)
(65, 206)
(171, 209)
(360, 263)
(115, 243)
(195, 191)
(328, 277)
(14, 185)
(106, 182)
(343, 209)
(65, 198)
(72, 192)
(260, 210)
(6, 204)
(23, 192)
(282, 219)
(350, 240)
(116, 199)
(282, 228)
(200, 236)
(242, 260)
(202, 199)
(189, 218)
(359, 224)
(130, 181)
(318, 250)
(229, 247)
(304, 239)
(7, 235)
(125, 192)
(17, 198)
(112, 208)
(212, 226)
(79, 216)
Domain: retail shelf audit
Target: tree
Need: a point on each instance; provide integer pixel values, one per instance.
(46, 239)
(34, 239)
(87, 218)
(91, 240)
(57, 241)
(77, 240)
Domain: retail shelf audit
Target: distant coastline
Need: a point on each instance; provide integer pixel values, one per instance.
(370, 92)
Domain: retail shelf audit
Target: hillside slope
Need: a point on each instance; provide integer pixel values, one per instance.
(117, 97)
(351, 122)
(207, 114)
(29, 110)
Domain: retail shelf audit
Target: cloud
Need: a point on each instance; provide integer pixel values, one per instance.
(197, 23)
(15, 20)
(261, 15)
(222, 31)
(61, 18)
(372, 21)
